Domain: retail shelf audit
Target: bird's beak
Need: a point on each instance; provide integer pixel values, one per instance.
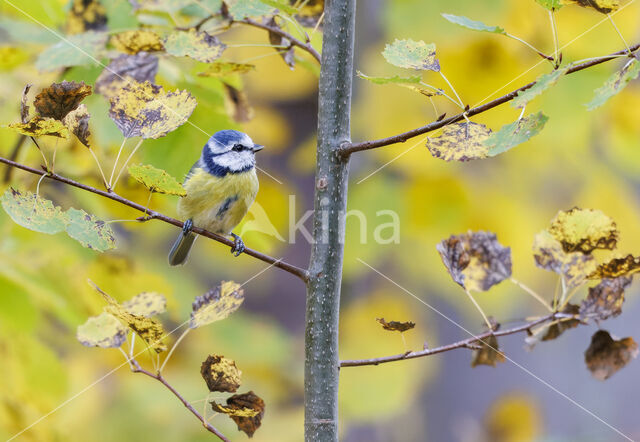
(257, 147)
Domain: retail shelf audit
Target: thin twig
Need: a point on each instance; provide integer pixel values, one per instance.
(556, 41)
(158, 377)
(115, 164)
(401, 138)
(294, 41)
(296, 271)
(465, 343)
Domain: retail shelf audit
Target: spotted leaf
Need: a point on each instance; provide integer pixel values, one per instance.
(90, 231)
(156, 180)
(221, 374)
(33, 212)
(460, 142)
(606, 355)
(412, 55)
(103, 331)
(216, 304)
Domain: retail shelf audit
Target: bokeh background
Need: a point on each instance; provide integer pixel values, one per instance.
(586, 159)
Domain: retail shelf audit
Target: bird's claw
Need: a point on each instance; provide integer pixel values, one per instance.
(238, 245)
(187, 226)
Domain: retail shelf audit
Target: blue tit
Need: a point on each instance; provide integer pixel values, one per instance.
(221, 186)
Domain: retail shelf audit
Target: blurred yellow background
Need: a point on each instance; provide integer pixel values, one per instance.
(586, 159)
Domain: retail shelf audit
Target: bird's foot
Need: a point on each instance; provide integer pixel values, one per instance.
(187, 227)
(238, 245)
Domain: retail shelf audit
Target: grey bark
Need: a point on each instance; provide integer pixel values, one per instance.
(325, 268)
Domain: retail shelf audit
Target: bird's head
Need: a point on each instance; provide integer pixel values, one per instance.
(229, 151)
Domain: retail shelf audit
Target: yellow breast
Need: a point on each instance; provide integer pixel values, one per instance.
(218, 204)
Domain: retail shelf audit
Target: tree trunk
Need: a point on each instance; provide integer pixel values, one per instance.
(325, 268)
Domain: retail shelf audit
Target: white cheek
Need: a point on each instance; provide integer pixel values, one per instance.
(236, 160)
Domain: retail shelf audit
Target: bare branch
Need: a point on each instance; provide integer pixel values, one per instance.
(401, 138)
(294, 41)
(149, 214)
(135, 367)
(465, 343)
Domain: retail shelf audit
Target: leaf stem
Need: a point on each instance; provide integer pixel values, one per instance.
(533, 293)
(115, 165)
(453, 89)
(124, 166)
(556, 42)
(440, 92)
(44, 158)
(473, 300)
(104, 179)
(530, 46)
(184, 333)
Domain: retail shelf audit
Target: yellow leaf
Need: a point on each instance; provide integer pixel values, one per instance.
(221, 374)
(148, 329)
(132, 42)
(146, 110)
(216, 304)
(245, 409)
(86, 15)
(460, 142)
(584, 230)
(395, 325)
(488, 354)
(39, 126)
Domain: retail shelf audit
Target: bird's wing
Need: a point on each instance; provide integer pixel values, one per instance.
(195, 166)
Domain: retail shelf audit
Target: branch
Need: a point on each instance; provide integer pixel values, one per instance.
(401, 138)
(135, 367)
(465, 343)
(150, 214)
(294, 41)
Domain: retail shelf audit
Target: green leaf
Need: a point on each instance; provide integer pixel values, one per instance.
(551, 5)
(197, 45)
(216, 304)
(156, 180)
(89, 231)
(280, 6)
(518, 132)
(75, 50)
(240, 9)
(543, 83)
(396, 79)
(33, 212)
(473, 25)
(615, 84)
(412, 55)
(103, 331)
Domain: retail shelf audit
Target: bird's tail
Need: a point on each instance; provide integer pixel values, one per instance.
(181, 248)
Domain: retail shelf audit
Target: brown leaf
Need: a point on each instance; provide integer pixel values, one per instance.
(140, 67)
(584, 230)
(617, 267)
(476, 260)
(86, 15)
(605, 299)
(396, 325)
(605, 356)
(24, 107)
(237, 104)
(287, 53)
(245, 409)
(57, 100)
(603, 6)
(220, 374)
(555, 330)
(489, 353)
(78, 123)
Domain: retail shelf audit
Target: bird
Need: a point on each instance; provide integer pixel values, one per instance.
(221, 186)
